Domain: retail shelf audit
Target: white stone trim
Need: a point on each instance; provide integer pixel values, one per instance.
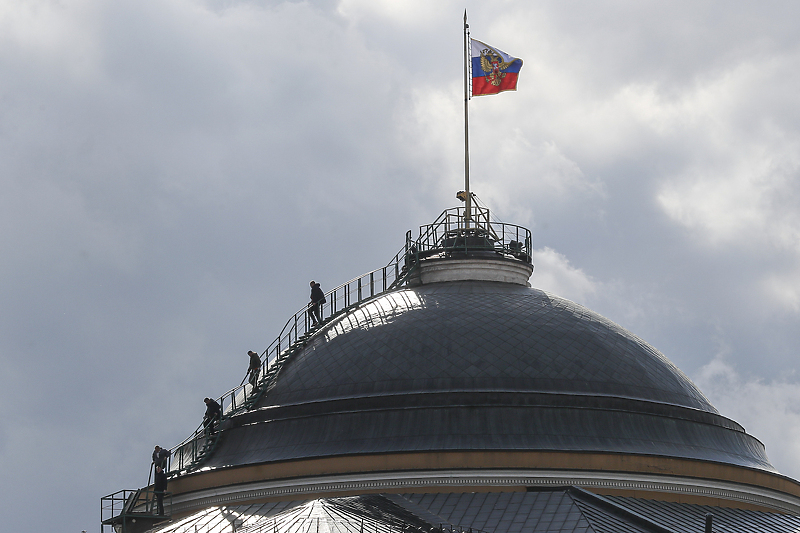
(471, 269)
(413, 481)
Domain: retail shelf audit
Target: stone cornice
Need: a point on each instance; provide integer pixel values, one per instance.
(461, 480)
(647, 476)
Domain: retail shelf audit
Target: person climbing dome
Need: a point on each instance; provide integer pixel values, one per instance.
(255, 368)
(315, 306)
(213, 413)
(160, 456)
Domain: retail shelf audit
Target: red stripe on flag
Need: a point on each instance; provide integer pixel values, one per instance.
(482, 87)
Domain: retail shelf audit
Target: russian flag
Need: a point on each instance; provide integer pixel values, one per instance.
(493, 71)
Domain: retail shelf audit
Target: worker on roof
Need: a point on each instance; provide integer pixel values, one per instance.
(255, 367)
(315, 306)
(159, 487)
(213, 413)
(160, 456)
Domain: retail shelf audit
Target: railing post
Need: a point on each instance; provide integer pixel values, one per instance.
(384, 278)
(359, 289)
(371, 284)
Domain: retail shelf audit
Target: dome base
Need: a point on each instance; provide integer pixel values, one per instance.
(437, 270)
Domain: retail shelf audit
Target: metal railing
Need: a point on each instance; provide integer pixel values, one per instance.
(192, 449)
(296, 330)
(132, 503)
(451, 233)
(340, 299)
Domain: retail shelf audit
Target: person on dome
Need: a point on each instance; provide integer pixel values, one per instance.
(315, 306)
(213, 413)
(254, 368)
(160, 456)
(159, 487)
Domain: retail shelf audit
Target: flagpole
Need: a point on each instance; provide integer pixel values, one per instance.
(467, 58)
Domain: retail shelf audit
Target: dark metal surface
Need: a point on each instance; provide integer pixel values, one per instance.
(480, 336)
(572, 510)
(481, 366)
(686, 518)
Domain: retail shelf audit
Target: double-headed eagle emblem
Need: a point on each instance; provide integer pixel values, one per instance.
(493, 65)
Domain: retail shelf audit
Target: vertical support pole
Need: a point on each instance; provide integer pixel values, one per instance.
(372, 283)
(467, 60)
(359, 289)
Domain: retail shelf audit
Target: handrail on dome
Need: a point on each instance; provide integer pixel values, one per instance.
(449, 235)
(296, 331)
(127, 506)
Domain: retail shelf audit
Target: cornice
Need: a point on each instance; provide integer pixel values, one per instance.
(461, 480)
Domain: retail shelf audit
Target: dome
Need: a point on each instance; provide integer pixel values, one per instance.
(445, 373)
(479, 366)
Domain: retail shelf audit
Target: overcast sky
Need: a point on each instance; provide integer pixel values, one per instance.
(173, 173)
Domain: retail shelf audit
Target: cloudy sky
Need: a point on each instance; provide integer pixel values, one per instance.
(173, 173)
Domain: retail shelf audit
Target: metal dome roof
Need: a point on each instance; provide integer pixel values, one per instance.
(480, 336)
(477, 365)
